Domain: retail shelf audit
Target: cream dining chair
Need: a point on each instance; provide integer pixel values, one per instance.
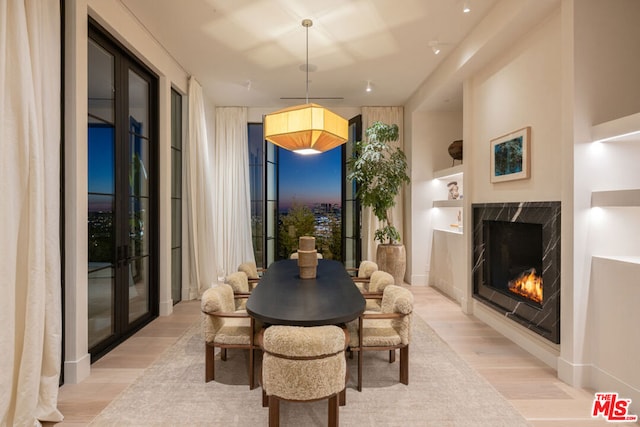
(303, 364)
(226, 328)
(386, 330)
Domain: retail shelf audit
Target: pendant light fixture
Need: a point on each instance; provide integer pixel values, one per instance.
(308, 128)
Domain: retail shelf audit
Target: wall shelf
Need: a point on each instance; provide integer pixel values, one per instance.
(621, 129)
(624, 259)
(451, 210)
(448, 172)
(447, 203)
(452, 231)
(614, 198)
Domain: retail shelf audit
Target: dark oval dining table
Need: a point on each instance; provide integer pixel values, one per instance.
(283, 298)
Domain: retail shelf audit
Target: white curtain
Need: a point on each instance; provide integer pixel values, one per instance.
(388, 115)
(233, 199)
(30, 287)
(199, 196)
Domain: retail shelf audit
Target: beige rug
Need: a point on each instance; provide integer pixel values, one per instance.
(443, 391)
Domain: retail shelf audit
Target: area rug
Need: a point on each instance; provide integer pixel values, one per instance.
(443, 391)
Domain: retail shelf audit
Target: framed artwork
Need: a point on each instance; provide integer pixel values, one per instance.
(510, 156)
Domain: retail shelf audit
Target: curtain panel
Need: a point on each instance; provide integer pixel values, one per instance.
(200, 224)
(370, 223)
(233, 199)
(30, 284)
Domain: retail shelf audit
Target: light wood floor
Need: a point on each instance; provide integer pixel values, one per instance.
(530, 386)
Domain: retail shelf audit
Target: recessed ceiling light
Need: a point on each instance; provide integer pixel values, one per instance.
(435, 46)
(369, 88)
(466, 7)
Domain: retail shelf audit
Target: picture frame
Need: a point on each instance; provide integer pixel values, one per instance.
(510, 156)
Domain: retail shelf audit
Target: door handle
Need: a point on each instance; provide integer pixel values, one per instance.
(122, 255)
(118, 256)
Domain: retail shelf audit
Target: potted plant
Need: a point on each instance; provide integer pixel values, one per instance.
(379, 172)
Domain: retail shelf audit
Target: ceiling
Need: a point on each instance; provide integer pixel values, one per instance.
(253, 52)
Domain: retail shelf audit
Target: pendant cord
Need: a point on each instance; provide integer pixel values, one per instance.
(307, 83)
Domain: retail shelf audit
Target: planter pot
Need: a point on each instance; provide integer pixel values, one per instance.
(393, 260)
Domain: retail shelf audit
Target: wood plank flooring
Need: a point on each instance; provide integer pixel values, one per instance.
(531, 387)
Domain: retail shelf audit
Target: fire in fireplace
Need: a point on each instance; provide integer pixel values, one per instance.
(514, 256)
(528, 284)
(516, 263)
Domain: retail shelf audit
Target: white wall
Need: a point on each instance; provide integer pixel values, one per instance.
(606, 87)
(613, 342)
(520, 88)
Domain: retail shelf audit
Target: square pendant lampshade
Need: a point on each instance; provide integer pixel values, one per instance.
(306, 129)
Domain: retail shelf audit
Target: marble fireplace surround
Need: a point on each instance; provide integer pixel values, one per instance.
(543, 320)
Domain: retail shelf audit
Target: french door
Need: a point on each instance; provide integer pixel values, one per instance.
(122, 200)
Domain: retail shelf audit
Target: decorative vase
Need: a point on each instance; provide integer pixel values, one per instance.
(307, 257)
(455, 150)
(392, 258)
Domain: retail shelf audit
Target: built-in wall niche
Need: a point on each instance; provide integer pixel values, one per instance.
(623, 129)
(448, 209)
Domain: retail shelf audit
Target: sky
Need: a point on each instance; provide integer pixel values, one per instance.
(310, 179)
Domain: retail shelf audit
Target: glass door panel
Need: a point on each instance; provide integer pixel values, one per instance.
(256, 145)
(350, 207)
(271, 211)
(139, 163)
(176, 196)
(101, 184)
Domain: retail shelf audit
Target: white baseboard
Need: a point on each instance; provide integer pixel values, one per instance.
(166, 307)
(419, 280)
(576, 375)
(75, 371)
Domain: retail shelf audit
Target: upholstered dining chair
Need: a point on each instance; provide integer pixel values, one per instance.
(225, 327)
(303, 364)
(386, 330)
(252, 271)
(239, 282)
(364, 271)
(373, 289)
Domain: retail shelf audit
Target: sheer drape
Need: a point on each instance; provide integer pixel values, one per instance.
(199, 196)
(370, 223)
(233, 199)
(30, 306)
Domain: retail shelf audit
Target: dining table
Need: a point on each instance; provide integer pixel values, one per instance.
(282, 297)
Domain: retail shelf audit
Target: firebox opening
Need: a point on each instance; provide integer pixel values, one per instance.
(514, 260)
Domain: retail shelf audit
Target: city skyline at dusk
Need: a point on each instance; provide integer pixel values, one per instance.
(309, 180)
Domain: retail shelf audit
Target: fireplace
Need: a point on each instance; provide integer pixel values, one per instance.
(517, 263)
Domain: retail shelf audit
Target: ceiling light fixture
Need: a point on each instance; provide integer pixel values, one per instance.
(435, 46)
(466, 7)
(308, 128)
(369, 88)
